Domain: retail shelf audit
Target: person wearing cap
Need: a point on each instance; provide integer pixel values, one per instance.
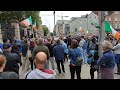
(12, 59)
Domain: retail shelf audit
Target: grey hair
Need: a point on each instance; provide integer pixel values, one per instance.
(107, 44)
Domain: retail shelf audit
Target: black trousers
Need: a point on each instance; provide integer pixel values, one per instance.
(118, 68)
(92, 71)
(74, 69)
(31, 61)
(65, 56)
(58, 66)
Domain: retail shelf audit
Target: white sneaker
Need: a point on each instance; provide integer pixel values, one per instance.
(60, 74)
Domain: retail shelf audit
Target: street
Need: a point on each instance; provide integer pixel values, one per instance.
(84, 73)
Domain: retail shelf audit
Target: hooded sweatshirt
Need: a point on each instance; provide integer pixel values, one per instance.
(41, 74)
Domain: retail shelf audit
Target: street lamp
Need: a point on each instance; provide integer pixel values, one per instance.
(54, 22)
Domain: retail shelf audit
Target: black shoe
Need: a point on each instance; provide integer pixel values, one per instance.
(117, 73)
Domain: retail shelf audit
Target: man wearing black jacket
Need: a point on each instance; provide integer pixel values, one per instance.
(12, 59)
(50, 47)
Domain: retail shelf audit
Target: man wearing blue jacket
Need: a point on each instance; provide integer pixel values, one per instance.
(58, 51)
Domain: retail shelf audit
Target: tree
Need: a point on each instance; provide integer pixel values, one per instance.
(45, 29)
(13, 16)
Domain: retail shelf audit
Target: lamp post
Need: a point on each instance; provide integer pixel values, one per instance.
(54, 22)
(102, 33)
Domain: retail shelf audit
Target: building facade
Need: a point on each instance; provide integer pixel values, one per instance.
(61, 28)
(114, 20)
(80, 25)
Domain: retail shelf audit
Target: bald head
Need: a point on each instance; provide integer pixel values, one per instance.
(40, 58)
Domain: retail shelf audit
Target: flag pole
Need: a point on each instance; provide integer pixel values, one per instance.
(33, 31)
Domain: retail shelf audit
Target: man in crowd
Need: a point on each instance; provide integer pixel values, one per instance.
(59, 56)
(41, 48)
(12, 59)
(40, 72)
(50, 47)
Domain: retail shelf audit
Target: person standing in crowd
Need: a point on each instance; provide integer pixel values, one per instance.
(72, 55)
(50, 47)
(65, 50)
(116, 50)
(40, 72)
(16, 49)
(7, 74)
(58, 52)
(31, 47)
(12, 59)
(83, 46)
(25, 63)
(94, 66)
(107, 61)
(69, 41)
(41, 48)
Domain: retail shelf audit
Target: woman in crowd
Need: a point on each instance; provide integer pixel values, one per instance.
(72, 55)
(117, 56)
(93, 66)
(107, 61)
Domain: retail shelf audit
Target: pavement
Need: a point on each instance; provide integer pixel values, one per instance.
(85, 72)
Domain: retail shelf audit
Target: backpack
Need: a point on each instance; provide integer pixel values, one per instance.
(78, 61)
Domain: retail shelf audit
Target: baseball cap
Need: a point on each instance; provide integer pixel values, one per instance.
(7, 45)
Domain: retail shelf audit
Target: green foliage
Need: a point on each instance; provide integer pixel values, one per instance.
(12, 16)
(45, 29)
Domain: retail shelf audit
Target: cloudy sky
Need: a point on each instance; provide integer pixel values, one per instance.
(48, 18)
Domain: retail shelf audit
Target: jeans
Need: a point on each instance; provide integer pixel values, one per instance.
(58, 66)
(84, 56)
(74, 69)
(51, 59)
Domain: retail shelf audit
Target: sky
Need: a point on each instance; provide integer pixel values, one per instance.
(48, 17)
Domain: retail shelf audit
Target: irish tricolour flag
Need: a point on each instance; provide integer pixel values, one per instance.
(108, 28)
(34, 26)
(27, 21)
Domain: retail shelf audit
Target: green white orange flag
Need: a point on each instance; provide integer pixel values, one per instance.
(27, 21)
(34, 26)
(109, 28)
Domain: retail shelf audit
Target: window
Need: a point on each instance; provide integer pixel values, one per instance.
(110, 19)
(119, 25)
(116, 18)
(119, 18)
(116, 12)
(116, 25)
(105, 19)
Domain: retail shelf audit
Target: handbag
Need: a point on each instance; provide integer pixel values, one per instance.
(78, 61)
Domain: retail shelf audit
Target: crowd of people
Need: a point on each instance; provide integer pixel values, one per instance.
(34, 56)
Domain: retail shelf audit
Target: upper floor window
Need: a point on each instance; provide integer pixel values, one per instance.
(116, 12)
(116, 18)
(109, 19)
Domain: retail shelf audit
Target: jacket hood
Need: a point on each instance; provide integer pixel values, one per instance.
(38, 74)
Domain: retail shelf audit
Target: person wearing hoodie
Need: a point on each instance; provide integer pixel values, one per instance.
(40, 72)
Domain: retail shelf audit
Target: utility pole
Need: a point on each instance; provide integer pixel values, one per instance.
(102, 33)
(54, 22)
